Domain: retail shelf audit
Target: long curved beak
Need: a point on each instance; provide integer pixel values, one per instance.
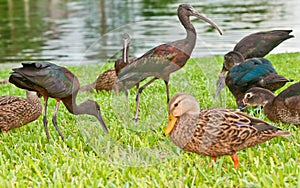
(171, 123)
(99, 117)
(202, 17)
(126, 42)
(221, 82)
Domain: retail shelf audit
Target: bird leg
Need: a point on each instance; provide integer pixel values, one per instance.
(167, 89)
(212, 159)
(138, 97)
(235, 160)
(54, 119)
(45, 121)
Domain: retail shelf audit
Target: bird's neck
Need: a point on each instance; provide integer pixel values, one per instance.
(191, 35)
(125, 54)
(267, 98)
(70, 104)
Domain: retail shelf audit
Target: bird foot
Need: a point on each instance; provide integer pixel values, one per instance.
(135, 119)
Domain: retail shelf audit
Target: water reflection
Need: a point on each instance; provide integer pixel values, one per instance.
(90, 31)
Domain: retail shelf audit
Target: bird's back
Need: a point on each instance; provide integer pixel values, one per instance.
(220, 131)
(158, 62)
(17, 111)
(46, 78)
(261, 43)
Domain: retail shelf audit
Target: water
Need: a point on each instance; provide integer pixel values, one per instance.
(90, 31)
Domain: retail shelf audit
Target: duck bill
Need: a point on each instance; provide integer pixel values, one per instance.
(200, 16)
(99, 117)
(171, 123)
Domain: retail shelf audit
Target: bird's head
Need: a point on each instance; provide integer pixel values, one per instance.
(257, 96)
(188, 10)
(232, 58)
(179, 105)
(91, 107)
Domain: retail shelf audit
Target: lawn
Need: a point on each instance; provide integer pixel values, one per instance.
(138, 154)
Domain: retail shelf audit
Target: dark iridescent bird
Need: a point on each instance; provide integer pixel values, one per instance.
(54, 81)
(121, 63)
(107, 79)
(254, 45)
(255, 72)
(284, 107)
(217, 131)
(16, 111)
(164, 59)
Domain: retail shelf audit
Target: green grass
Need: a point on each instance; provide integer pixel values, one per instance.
(138, 154)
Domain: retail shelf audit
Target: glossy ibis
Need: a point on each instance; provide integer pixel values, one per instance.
(54, 81)
(284, 107)
(164, 59)
(121, 63)
(16, 111)
(217, 131)
(254, 45)
(255, 72)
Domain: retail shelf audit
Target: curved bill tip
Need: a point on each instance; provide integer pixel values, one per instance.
(202, 17)
(102, 123)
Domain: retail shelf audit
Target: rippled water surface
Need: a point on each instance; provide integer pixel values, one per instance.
(90, 31)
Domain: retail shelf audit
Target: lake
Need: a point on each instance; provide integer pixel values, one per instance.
(90, 31)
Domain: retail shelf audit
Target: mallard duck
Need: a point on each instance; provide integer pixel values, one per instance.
(217, 131)
(255, 72)
(105, 81)
(16, 111)
(284, 107)
(254, 45)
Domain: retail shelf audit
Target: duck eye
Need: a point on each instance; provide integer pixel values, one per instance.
(248, 95)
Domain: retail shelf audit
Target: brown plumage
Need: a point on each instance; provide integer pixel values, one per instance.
(162, 60)
(16, 111)
(282, 108)
(217, 131)
(105, 81)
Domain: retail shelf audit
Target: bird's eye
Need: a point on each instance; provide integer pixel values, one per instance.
(176, 104)
(248, 95)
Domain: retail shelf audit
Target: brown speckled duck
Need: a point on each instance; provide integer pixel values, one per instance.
(282, 108)
(107, 79)
(217, 131)
(16, 111)
(104, 82)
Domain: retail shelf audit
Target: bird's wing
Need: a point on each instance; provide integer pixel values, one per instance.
(57, 81)
(156, 62)
(291, 96)
(251, 71)
(261, 43)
